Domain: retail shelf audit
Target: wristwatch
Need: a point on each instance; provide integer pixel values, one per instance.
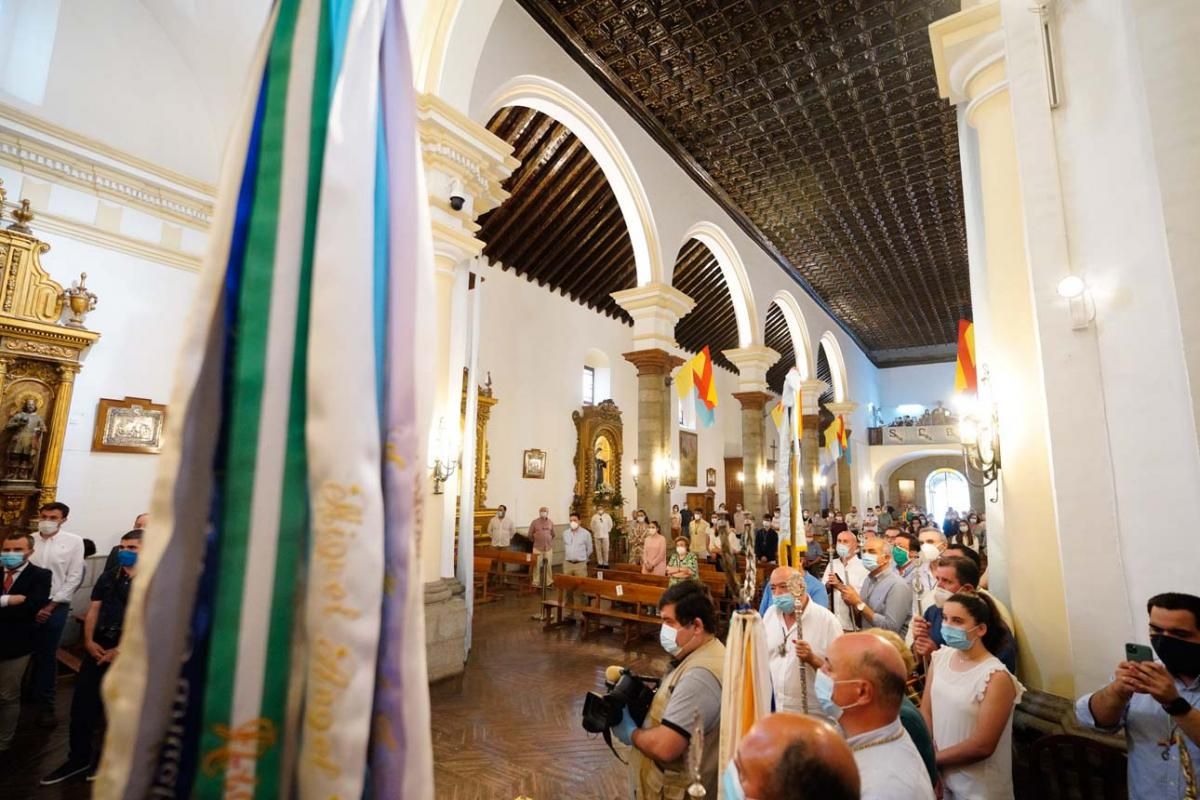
(1177, 707)
(861, 605)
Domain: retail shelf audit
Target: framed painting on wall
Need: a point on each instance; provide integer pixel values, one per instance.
(534, 464)
(710, 477)
(689, 447)
(132, 425)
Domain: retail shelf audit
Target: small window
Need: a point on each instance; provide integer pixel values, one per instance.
(589, 386)
(687, 412)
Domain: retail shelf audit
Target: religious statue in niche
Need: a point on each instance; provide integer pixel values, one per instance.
(26, 428)
(603, 459)
(598, 453)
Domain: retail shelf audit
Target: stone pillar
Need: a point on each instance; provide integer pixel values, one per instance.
(810, 448)
(752, 363)
(656, 308)
(845, 475)
(970, 59)
(461, 158)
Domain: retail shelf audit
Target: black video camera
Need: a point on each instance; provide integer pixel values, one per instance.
(635, 692)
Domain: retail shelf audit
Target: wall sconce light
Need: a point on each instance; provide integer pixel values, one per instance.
(741, 477)
(637, 471)
(766, 477)
(979, 433)
(1079, 301)
(444, 457)
(667, 469)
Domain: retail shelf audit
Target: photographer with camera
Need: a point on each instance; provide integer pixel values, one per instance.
(101, 635)
(691, 688)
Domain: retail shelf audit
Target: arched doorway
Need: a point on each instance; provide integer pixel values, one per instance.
(944, 489)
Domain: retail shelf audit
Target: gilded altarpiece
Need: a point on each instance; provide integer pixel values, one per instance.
(483, 458)
(39, 358)
(598, 449)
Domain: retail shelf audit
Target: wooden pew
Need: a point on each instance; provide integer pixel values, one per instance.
(605, 600)
(523, 580)
(483, 577)
(715, 582)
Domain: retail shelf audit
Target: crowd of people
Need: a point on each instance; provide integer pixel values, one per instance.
(41, 574)
(893, 669)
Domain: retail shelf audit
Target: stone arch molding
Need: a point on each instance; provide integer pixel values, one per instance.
(837, 366)
(797, 327)
(718, 243)
(559, 102)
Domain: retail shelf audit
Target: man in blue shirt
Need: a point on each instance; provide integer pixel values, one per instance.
(953, 574)
(1155, 701)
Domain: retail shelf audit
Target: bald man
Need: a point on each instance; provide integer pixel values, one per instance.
(862, 685)
(791, 757)
(541, 531)
(844, 570)
(799, 633)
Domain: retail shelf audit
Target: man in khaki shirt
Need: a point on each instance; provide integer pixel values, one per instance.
(541, 532)
(698, 534)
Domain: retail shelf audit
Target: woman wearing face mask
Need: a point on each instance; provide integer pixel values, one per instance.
(637, 536)
(964, 535)
(654, 551)
(676, 521)
(969, 700)
(683, 564)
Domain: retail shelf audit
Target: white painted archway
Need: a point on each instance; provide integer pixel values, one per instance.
(797, 327)
(559, 102)
(837, 366)
(737, 281)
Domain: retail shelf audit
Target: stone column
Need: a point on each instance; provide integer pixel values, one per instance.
(461, 158)
(845, 475)
(970, 59)
(656, 308)
(752, 363)
(810, 448)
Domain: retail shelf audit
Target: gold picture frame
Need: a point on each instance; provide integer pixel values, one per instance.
(132, 425)
(533, 465)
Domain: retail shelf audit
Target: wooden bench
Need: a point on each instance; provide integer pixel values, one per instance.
(522, 580)
(605, 600)
(483, 578)
(715, 584)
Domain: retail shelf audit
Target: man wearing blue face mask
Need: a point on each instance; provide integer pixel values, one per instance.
(24, 588)
(101, 635)
(691, 689)
(885, 600)
(799, 632)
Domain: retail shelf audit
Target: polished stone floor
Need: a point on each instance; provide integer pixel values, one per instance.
(512, 727)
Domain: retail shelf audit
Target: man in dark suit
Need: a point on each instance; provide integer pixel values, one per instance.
(24, 588)
(766, 540)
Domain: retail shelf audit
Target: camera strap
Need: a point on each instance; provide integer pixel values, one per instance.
(607, 734)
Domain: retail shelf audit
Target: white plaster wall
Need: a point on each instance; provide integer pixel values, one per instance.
(140, 315)
(516, 46)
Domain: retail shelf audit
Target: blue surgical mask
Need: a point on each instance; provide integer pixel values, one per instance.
(11, 560)
(126, 558)
(786, 603)
(870, 561)
(823, 688)
(666, 637)
(731, 783)
(956, 638)
(843, 550)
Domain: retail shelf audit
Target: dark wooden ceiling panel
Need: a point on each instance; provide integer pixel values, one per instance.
(824, 373)
(712, 321)
(779, 339)
(818, 125)
(562, 226)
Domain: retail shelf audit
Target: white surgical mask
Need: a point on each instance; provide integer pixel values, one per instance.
(681, 550)
(929, 552)
(47, 527)
(574, 525)
(544, 515)
(666, 637)
(940, 596)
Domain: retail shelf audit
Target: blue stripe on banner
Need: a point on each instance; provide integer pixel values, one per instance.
(339, 23)
(177, 758)
(381, 267)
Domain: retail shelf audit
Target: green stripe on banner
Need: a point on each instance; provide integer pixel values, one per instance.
(293, 510)
(250, 343)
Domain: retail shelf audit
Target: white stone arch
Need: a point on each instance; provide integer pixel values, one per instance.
(737, 281)
(837, 366)
(559, 102)
(797, 327)
(892, 461)
(448, 37)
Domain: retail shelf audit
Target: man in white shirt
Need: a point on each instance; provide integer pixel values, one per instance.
(845, 568)
(925, 583)
(794, 647)
(501, 528)
(61, 553)
(602, 525)
(862, 685)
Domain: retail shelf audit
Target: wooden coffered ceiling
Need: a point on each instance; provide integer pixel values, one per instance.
(562, 225)
(817, 124)
(712, 322)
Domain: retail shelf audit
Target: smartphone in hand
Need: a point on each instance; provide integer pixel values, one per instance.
(1138, 652)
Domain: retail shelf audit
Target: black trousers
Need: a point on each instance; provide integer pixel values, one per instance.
(87, 711)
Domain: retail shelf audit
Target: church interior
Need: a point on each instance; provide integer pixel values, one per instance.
(390, 387)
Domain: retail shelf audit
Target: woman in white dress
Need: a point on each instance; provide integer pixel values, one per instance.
(969, 700)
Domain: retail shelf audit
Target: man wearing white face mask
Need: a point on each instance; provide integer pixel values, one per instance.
(794, 647)
(862, 685)
(541, 532)
(658, 763)
(577, 549)
(933, 544)
(61, 553)
(846, 569)
(885, 601)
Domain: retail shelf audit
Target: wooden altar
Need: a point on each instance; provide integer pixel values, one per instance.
(39, 358)
(483, 458)
(598, 449)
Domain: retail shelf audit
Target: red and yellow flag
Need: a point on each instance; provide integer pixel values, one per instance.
(964, 371)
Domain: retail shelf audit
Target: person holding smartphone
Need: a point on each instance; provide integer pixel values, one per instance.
(1156, 702)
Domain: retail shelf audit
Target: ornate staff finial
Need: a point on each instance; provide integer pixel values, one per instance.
(798, 589)
(695, 758)
(23, 215)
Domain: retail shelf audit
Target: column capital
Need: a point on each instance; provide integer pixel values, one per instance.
(753, 400)
(964, 46)
(842, 409)
(752, 363)
(656, 309)
(653, 362)
(810, 395)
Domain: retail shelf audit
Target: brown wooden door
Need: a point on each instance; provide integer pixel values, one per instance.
(701, 500)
